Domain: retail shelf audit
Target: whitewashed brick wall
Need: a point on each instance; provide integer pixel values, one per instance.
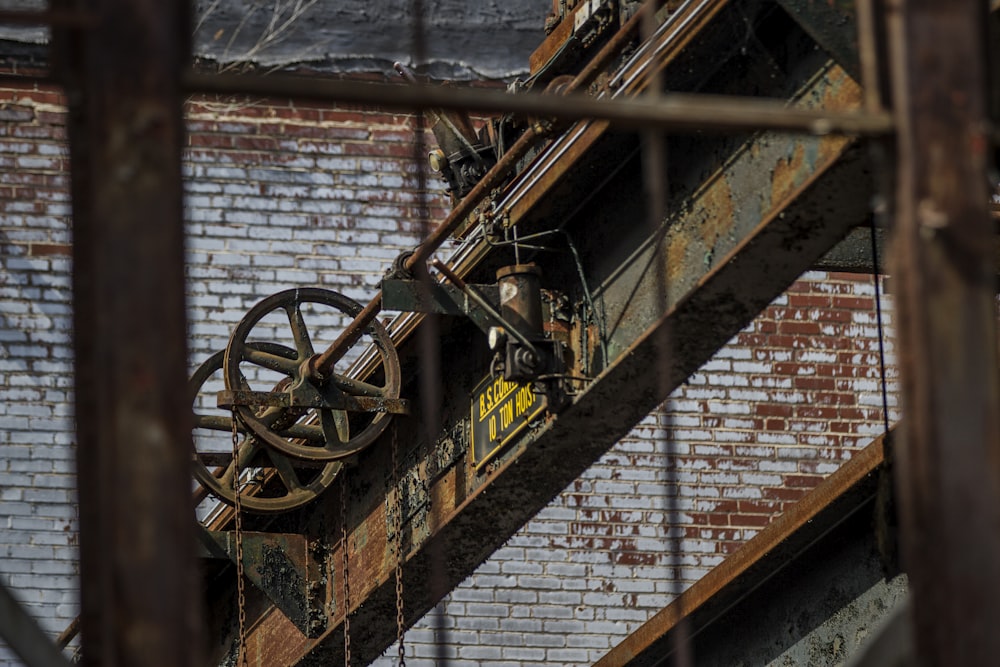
(281, 196)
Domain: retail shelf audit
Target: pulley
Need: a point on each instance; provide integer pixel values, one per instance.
(290, 406)
(278, 483)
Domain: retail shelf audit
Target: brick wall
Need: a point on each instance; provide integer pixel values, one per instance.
(281, 196)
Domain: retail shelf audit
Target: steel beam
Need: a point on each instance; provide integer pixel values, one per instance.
(759, 559)
(941, 258)
(727, 263)
(139, 601)
(832, 24)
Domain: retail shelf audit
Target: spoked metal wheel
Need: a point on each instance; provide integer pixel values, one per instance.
(286, 406)
(270, 481)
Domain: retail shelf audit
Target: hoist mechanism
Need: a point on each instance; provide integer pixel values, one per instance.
(301, 415)
(298, 422)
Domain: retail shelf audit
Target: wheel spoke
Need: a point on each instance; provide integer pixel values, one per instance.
(272, 361)
(247, 450)
(299, 331)
(285, 471)
(216, 423)
(337, 421)
(356, 387)
(309, 432)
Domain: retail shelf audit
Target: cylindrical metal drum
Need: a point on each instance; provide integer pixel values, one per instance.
(521, 297)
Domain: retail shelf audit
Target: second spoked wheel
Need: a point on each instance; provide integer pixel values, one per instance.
(268, 481)
(334, 418)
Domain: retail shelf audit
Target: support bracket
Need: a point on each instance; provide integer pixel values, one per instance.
(282, 567)
(423, 296)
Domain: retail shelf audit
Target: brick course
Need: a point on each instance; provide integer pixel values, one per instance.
(281, 195)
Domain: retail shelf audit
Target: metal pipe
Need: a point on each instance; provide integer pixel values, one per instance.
(322, 364)
(487, 308)
(67, 18)
(947, 472)
(671, 112)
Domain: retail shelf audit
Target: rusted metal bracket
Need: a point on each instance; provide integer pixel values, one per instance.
(282, 566)
(307, 396)
(420, 296)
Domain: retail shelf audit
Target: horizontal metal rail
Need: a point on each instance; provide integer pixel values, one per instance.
(670, 112)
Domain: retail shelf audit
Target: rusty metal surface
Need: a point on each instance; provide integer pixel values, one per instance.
(139, 600)
(283, 567)
(949, 454)
(767, 552)
(810, 205)
(727, 262)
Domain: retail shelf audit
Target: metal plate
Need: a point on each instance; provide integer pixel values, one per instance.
(500, 410)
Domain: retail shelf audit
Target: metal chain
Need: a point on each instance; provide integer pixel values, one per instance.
(400, 621)
(241, 655)
(346, 571)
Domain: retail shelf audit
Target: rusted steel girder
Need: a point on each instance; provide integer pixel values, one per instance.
(726, 263)
(139, 605)
(949, 451)
(761, 557)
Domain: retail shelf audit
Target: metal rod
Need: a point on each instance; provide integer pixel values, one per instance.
(140, 602)
(868, 55)
(947, 470)
(323, 363)
(673, 112)
(484, 305)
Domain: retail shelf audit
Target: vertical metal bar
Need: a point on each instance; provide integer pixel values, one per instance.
(139, 600)
(656, 188)
(868, 54)
(948, 471)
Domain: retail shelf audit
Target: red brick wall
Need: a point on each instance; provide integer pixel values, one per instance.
(280, 195)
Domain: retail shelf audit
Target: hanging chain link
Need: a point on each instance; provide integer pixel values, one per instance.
(400, 620)
(346, 571)
(241, 655)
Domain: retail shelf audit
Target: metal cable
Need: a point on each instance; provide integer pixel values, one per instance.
(241, 654)
(881, 330)
(400, 617)
(345, 573)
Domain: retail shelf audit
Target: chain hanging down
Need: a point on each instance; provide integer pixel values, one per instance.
(400, 620)
(241, 655)
(346, 571)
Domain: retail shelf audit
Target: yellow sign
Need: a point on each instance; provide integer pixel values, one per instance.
(500, 410)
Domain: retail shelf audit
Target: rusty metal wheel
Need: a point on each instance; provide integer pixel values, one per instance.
(271, 482)
(332, 418)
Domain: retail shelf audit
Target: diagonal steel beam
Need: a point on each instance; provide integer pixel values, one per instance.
(727, 263)
(708, 599)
